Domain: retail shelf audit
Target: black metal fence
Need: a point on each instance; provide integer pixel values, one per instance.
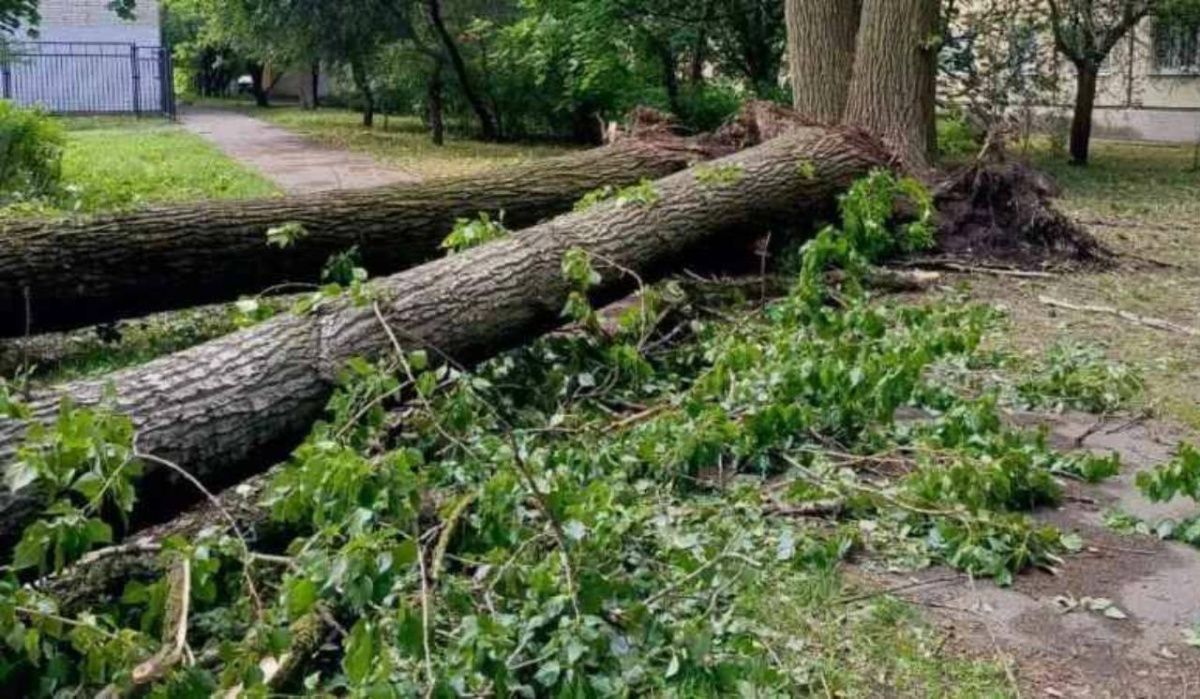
(89, 77)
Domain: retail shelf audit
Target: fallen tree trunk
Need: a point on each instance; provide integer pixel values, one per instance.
(236, 405)
(68, 274)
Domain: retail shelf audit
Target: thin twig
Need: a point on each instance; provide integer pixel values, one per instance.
(1156, 323)
(925, 265)
(216, 503)
(30, 612)
(555, 525)
(425, 646)
(443, 543)
(708, 565)
(900, 588)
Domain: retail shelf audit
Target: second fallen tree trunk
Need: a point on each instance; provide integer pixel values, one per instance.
(236, 405)
(68, 274)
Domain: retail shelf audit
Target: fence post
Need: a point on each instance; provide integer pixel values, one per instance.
(5, 78)
(168, 82)
(137, 80)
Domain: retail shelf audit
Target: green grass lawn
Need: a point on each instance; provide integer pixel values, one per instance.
(1143, 201)
(404, 142)
(114, 163)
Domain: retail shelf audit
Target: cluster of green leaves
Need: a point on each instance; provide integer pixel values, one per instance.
(717, 176)
(31, 147)
(601, 511)
(84, 463)
(1179, 477)
(472, 232)
(1078, 377)
(643, 193)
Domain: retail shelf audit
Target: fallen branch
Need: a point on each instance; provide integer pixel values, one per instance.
(948, 266)
(1156, 323)
(175, 626)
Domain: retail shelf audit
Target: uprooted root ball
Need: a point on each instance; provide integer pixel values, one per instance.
(1001, 211)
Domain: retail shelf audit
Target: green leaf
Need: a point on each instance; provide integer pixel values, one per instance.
(19, 475)
(547, 674)
(89, 485)
(360, 652)
(301, 596)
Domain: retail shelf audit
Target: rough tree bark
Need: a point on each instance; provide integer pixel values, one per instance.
(1088, 78)
(72, 274)
(236, 405)
(821, 41)
(434, 98)
(892, 92)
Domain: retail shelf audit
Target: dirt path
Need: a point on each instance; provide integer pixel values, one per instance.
(1082, 653)
(295, 164)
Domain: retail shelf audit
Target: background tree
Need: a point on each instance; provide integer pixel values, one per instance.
(821, 36)
(1085, 33)
(17, 13)
(750, 39)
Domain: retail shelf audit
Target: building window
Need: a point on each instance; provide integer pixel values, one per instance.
(1176, 48)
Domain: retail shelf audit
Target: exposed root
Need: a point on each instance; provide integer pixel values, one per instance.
(1000, 211)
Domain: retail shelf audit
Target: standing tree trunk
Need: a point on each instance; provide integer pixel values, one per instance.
(316, 84)
(700, 47)
(362, 81)
(894, 82)
(60, 275)
(488, 124)
(236, 405)
(434, 103)
(1085, 104)
(821, 41)
(258, 86)
(670, 70)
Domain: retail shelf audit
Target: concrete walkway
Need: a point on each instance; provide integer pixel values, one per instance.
(294, 163)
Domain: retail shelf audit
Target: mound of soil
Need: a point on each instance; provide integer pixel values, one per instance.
(1001, 211)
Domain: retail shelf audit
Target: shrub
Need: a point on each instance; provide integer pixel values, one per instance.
(31, 148)
(956, 137)
(707, 106)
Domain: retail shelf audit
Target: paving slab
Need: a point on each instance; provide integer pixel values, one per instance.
(293, 162)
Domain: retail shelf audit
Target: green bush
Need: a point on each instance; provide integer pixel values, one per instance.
(705, 107)
(956, 137)
(31, 148)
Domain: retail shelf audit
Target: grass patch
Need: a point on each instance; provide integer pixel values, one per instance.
(1143, 180)
(1143, 201)
(404, 142)
(117, 163)
(880, 648)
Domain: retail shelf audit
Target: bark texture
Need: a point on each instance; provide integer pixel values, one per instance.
(77, 273)
(821, 42)
(1085, 106)
(892, 92)
(236, 405)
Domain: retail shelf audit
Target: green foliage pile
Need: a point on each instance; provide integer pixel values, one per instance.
(1178, 478)
(619, 509)
(31, 148)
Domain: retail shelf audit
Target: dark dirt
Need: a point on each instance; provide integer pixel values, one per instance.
(1083, 653)
(1001, 211)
